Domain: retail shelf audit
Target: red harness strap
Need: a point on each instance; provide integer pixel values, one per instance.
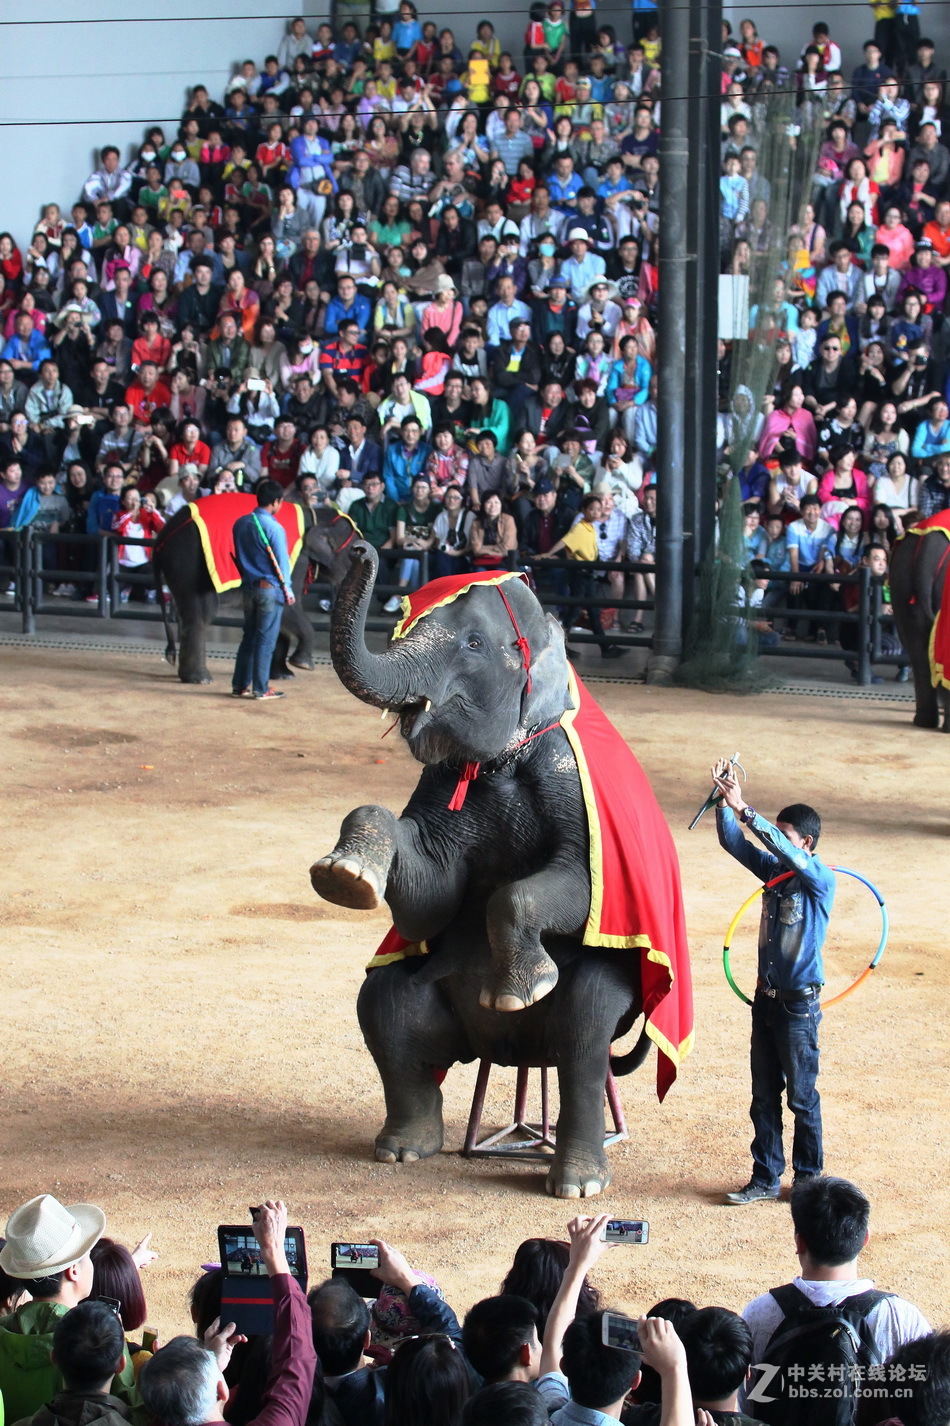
(521, 644)
(470, 770)
(350, 537)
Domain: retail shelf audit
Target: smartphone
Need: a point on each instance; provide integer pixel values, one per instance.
(149, 1339)
(620, 1332)
(625, 1230)
(353, 1261)
(112, 1303)
(254, 383)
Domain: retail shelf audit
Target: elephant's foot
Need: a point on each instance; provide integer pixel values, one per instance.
(280, 673)
(347, 880)
(303, 661)
(577, 1174)
(407, 1142)
(195, 677)
(519, 983)
(926, 720)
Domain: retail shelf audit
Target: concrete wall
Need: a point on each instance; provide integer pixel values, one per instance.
(105, 79)
(105, 82)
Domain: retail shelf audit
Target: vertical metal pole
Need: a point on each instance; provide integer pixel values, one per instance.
(102, 570)
(702, 289)
(28, 624)
(671, 343)
(696, 218)
(708, 264)
(864, 625)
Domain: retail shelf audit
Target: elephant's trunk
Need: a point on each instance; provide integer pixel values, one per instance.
(384, 680)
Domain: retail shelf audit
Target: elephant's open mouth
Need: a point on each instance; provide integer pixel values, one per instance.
(425, 727)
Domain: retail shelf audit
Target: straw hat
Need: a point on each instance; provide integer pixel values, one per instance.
(44, 1237)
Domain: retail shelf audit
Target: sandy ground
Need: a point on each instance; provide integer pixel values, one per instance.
(179, 1028)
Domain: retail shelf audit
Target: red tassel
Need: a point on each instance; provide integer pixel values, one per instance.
(525, 649)
(468, 774)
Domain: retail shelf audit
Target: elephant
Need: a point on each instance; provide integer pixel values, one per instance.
(488, 871)
(918, 574)
(179, 561)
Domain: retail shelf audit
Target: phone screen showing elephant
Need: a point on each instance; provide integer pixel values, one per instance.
(354, 1261)
(241, 1254)
(626, 1230)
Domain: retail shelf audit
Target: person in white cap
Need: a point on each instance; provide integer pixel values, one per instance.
(583, 266)
(47, 1247)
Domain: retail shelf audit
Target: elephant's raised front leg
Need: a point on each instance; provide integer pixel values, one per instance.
(554, 901)
(381, 856)
(411, 1032)
(356, 872)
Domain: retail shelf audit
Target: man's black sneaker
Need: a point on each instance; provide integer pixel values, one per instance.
(753, 1193)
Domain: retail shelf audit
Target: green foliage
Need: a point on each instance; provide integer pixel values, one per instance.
(722, 644)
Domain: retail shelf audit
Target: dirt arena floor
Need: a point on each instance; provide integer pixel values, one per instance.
(179, 1029)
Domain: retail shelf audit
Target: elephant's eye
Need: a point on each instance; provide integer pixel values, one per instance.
(474, 642)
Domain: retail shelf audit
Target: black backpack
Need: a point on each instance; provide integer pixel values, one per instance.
(819, 1355)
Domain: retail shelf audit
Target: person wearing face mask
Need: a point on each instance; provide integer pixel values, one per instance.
(542, 268)
(148, 158)
(180, 166)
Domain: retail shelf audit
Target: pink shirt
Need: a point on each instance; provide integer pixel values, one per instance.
(900, 242)
(447, 319)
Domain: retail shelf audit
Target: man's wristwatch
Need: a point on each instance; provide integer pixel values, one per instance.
(747, 815)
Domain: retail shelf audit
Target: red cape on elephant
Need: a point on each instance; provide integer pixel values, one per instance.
(636, 897)
(215, 518)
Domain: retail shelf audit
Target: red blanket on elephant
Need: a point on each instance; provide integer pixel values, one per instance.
(940, 633)
(214, 518)
(636, 898)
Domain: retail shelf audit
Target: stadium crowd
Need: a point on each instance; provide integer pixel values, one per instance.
(416, 275)
(75, 1350)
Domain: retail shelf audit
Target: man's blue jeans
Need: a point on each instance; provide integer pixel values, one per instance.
(262, 612)
(785, 1057)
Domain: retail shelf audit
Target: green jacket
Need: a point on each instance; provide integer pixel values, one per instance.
(28, 1378)
(80, 1408)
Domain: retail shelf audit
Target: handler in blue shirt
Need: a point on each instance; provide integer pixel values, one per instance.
(260, 553)
(786, 1011)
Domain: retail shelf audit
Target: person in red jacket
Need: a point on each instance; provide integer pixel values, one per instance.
(147, 395)
(280, 457)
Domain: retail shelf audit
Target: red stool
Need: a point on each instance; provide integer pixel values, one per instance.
(521, 1140)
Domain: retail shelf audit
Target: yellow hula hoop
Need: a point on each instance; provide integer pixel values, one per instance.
(843, 995)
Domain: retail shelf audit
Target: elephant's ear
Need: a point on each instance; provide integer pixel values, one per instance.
(550, 694)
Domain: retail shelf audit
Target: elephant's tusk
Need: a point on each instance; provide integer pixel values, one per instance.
(427, 705)
(384, 715)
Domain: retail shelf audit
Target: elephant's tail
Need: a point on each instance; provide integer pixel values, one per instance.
(633, 1059)
(171, 652)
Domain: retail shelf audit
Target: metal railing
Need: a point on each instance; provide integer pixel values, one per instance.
(25, 561)
(33, 576)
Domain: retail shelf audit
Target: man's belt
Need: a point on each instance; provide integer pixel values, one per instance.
(807, 992)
